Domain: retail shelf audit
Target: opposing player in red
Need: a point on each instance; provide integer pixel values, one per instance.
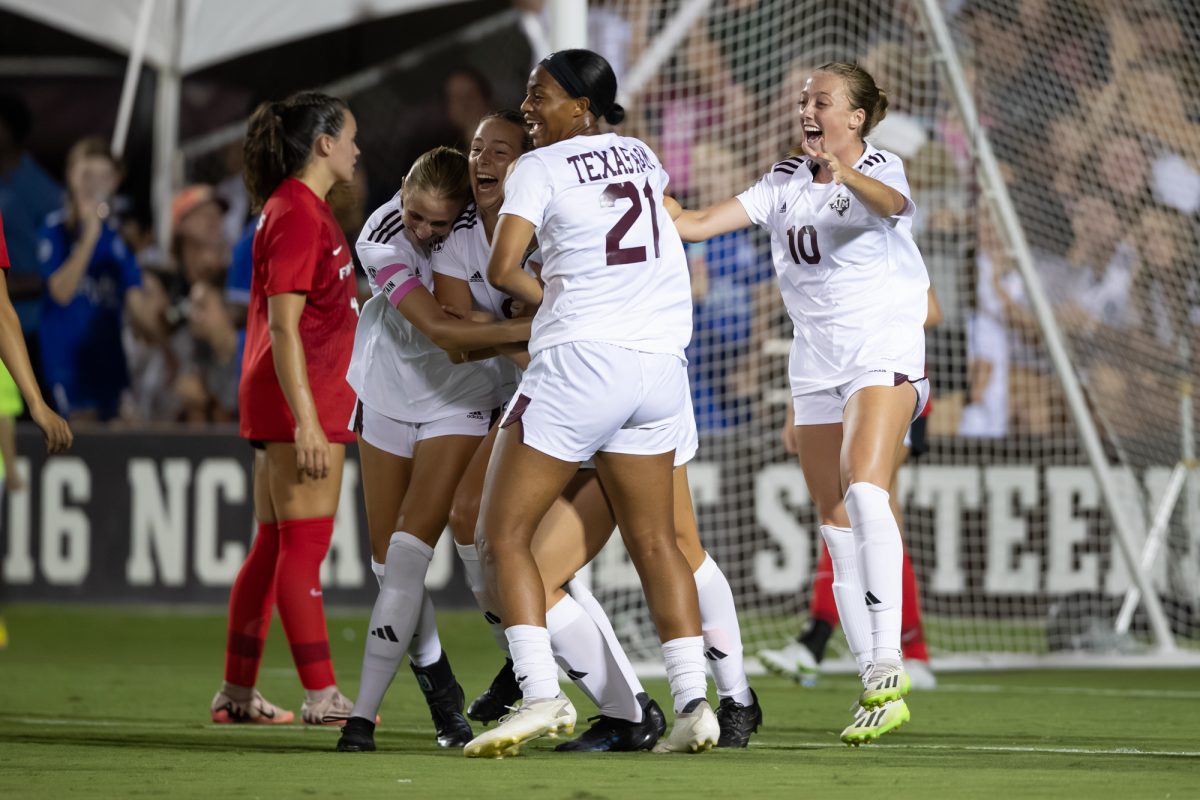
(299, 336)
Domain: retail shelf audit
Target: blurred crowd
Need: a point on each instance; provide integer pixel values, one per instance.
(1091, 108)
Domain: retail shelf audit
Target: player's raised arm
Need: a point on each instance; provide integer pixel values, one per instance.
(705, 223)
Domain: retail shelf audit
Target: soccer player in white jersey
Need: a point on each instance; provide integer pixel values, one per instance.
(607, 380)
(854, 283)
(419, 420)
(581, 635)
(579, 525)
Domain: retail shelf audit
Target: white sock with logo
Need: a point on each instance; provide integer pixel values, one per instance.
(722, 633)
(881, 555)
(393, 619)
(848, 593)
(580, 649)
(491, 610)
(533, 661)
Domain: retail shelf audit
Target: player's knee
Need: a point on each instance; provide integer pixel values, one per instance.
(464, 514)
(651, 550)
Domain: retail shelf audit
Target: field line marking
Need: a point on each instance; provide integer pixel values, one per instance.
(1086, 691)
(997, 748)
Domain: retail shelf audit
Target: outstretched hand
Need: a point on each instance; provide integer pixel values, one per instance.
(825, 159)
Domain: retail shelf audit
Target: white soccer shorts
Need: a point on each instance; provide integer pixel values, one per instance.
(400, 438)
(828, 405)
(582, 397)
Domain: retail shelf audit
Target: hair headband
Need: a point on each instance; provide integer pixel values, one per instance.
(562, 71)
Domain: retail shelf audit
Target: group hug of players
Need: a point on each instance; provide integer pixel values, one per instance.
(519, 374)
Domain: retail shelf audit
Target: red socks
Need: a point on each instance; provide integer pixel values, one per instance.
(283, 568)
(912, 635)
(822, 606)
(303, 544)
(250, 604)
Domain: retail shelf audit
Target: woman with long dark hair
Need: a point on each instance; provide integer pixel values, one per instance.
(299, 337)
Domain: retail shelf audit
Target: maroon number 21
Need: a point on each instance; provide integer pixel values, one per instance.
(614, 253)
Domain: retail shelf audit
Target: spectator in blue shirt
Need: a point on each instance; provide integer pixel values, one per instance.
(91, 280)
(27, 196)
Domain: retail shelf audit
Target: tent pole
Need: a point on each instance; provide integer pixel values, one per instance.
(166, 129)
(133, 71)
(568, 24)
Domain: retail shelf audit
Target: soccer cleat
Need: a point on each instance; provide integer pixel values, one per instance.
(920, 674)
(358, 736)
(794, 660)
(887, 681)
(531, 720)
(331, 707)
(871, 723)
(445, 698)
(259, 711)
(502, 695)
(613, 735)
(695, 729)
(738, 721)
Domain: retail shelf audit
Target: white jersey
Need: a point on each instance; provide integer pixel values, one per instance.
(396, 370)
(464, 254)
(854, 284)
(612, 262)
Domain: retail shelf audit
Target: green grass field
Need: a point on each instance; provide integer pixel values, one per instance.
(105, 702)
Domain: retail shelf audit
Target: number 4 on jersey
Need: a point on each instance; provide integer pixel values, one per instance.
(614, 253)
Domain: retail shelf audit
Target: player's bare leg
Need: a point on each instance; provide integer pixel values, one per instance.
(738, 711)
(641, 490)
(875, 419)
(403, 617)
(304, 509)
(521, 485)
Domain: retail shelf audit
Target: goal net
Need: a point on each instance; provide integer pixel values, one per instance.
(1090, 107)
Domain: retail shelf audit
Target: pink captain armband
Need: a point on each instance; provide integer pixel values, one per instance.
(396, 281)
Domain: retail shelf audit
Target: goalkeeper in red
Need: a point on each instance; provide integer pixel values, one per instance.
(855, 285)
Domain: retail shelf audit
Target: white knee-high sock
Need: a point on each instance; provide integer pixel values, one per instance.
(684, 658)
(426, 646)
(583, 595)
(393, 619)
(848, 593)
(533, 661)
(881, 555)
(474, 572)
(580, 649)
(722, 633)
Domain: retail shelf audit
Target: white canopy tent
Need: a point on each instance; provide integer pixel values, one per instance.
(178, 37)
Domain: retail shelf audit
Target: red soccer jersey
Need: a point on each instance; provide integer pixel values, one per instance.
(3, 247)
(300, 248)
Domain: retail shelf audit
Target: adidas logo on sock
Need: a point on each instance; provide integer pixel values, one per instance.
(713, 654)
(386, 633)
(872, 600)
(477, 277)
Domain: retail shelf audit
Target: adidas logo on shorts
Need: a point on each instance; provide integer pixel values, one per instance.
(477, 277)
